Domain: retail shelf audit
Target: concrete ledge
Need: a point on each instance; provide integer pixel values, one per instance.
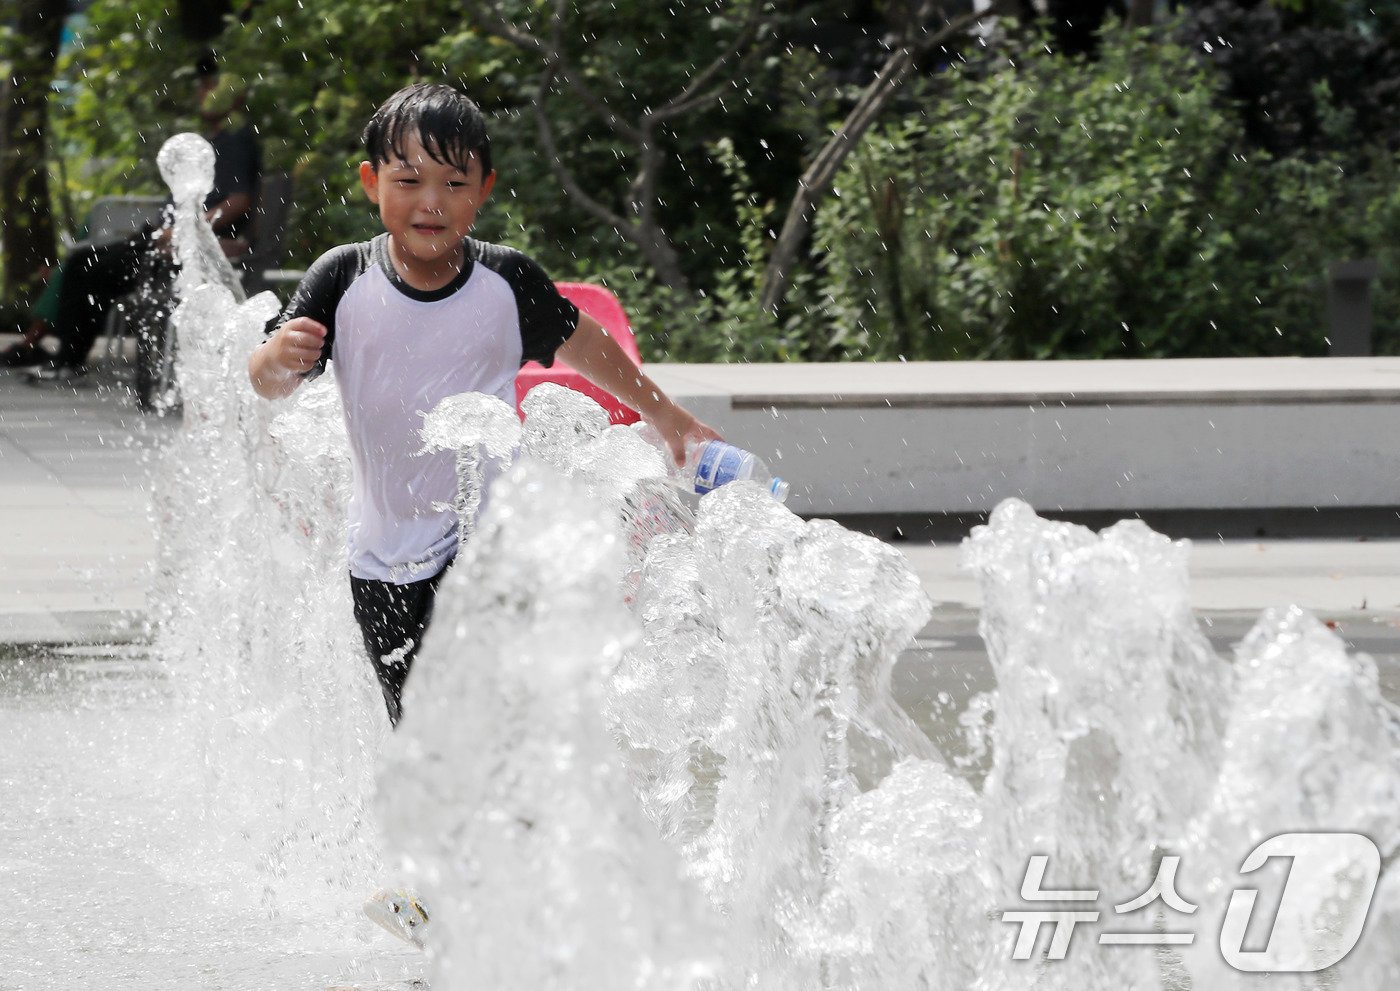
(1076, 436)
(59, 627)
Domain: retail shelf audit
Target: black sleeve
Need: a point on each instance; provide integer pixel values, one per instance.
(237, 165)
(237, 169)
(320, 291)
(547, 319)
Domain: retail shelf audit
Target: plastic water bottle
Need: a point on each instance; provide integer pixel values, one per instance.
(713, 463)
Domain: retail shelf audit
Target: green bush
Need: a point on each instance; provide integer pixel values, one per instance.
(1066, 208)
(1056, 207)
(317, 70)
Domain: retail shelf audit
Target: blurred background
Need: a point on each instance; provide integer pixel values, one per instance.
(836, 180)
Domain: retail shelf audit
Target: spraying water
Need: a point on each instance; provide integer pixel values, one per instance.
(749, 698)
(659, 749)
(252, 614)
(752, 713)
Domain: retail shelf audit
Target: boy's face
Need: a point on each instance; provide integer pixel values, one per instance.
(428, 207)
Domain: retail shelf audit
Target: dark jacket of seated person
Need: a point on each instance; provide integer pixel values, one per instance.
(96, 276)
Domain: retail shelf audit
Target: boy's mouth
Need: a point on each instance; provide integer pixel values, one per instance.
(430, 228)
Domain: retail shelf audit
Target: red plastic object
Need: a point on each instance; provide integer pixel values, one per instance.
(601, 305)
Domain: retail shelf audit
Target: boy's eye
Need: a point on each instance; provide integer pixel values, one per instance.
(456, 185)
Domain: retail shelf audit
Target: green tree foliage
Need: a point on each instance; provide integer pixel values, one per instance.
(316, 71)
(29, 37)
(127, 85)
(1272, 62)
(1061, 208)
(1055, 207)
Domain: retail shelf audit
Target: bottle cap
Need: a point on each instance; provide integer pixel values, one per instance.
(778, 489)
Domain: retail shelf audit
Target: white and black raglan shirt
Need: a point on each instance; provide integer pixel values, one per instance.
(398, 352)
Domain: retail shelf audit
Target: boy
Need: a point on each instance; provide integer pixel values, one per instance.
(420, 313)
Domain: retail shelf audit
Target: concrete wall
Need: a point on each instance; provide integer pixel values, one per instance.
(954, 437)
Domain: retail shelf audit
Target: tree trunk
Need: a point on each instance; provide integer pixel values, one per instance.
(26, 224)
(1140, 13)
(816, 181)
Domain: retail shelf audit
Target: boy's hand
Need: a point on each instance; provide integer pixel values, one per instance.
(296, 346)
(678, 428)
(277, 365)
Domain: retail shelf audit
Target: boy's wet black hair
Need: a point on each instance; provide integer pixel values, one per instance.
(449, 126)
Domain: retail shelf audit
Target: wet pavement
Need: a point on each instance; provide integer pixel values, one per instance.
(76, 540)
(84, 848)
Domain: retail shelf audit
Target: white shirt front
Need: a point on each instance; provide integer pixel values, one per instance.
(398, 352)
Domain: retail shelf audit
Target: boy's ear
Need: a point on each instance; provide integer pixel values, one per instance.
(488, 181)
(369, 180)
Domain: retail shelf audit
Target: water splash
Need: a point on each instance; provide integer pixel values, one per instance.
(658, 749)
(1113, 691)
(558, 421)
(754, 716)
(483, 431)
(1106, 717)
(186, 163)
(548, 876)
(1310, 746)
(251, 610)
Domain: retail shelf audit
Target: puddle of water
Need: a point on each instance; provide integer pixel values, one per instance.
(89, 820)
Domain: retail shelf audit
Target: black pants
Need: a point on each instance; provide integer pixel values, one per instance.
(94, 278)
(392, 620)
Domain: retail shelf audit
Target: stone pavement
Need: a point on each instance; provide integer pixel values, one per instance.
(77, 542)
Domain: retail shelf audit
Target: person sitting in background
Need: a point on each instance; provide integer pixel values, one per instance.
(95, 277)
(41, 317)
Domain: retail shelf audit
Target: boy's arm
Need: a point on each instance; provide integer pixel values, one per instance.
(282, 362)
(593, 352)
(279, 364)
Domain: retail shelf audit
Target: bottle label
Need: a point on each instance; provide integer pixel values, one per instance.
(719, 464)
